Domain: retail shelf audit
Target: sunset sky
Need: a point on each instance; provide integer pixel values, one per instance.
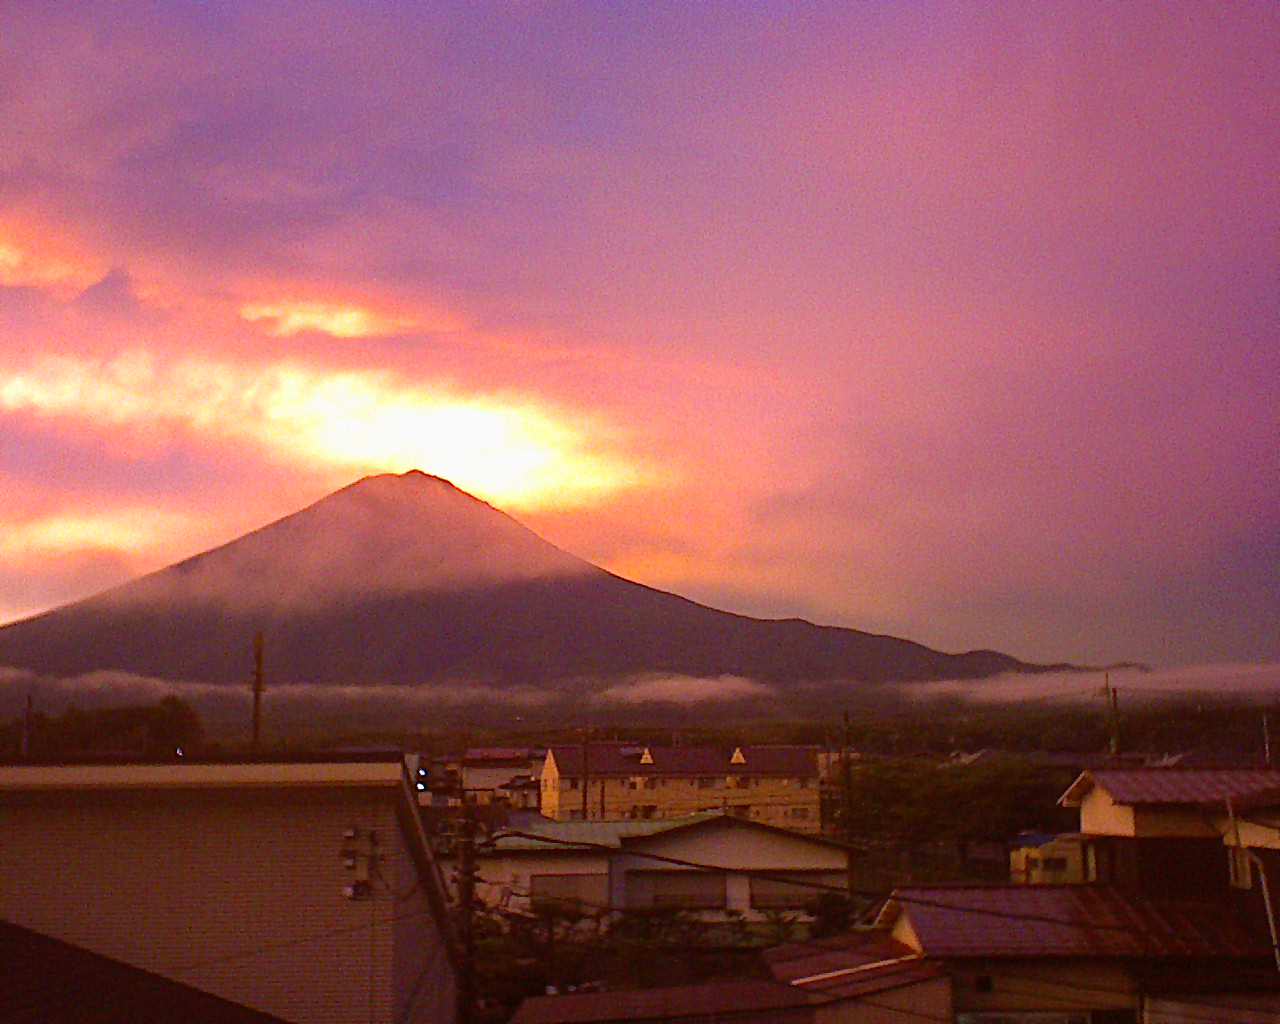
(954, 321)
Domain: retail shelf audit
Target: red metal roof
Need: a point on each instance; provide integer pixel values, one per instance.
(1173, 785)
(769, 1000)
(1068, 921)
(619, 759)
(853, 949)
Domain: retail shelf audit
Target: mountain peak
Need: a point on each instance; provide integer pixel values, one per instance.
(384, 534)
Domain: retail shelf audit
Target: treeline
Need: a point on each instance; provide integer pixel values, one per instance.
(150, 731)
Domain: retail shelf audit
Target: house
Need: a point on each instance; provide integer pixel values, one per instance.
(772, 785)
(1087, 953)
(1047, 859)
(808, 985)
(1147, 830)
(305, 891)
(487, 773)
(646, 864)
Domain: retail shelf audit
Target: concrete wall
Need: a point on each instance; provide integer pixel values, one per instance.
(1102, 816)
(235, 892)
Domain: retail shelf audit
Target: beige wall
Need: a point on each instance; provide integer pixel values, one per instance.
(1102, 816)
(784, 802)
(1028, 865)
(235, 892)
(1041, 984)
(922, 1000)
(506, 876)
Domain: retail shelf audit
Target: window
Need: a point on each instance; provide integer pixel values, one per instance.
(1055, 864)
(707, 783)
(573, 783)
(569, 892)
(800, 813)
(687, 890)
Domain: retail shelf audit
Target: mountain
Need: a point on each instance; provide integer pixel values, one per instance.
(406, 579)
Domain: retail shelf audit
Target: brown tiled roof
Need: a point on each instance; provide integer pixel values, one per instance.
(1172, 785)
(46, 981)
(713, 1000)
(616, 759)
(1068, 921)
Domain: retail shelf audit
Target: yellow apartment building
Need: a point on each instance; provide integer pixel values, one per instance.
(772, 785)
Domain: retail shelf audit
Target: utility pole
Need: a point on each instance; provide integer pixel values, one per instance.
(26, 729)
(258, 644)
(586, 771)
(1112, 697)
(846, 772)
(466, 908)
(1266, 739)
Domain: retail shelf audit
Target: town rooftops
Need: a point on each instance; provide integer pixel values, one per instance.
(745, 1000)
(476, 756)
(184, 775)
(1153, 786)
(633, 759)
(1065, 921)
(805, 961)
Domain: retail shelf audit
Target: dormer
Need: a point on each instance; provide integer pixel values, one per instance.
(646, 757)
(738, 757)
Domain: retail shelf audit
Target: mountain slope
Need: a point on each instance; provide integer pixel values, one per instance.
(406, 579)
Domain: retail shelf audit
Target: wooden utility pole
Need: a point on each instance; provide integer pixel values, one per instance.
(258, 644)
(846, 777)
(25, 752)
(1112, 697)
(1266, 738)
(586, 772)
(466, 911)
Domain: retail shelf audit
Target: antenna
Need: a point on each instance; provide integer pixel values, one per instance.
(258, 686)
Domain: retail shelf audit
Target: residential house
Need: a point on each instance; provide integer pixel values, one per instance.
(1079, 954)
(642, 864)
(808, 985)
(487, 774)
(1048, 859)
(771, 785)
(304, 890)
(1148, 830)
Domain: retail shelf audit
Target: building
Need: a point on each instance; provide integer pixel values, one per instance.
(771, 785)
(1048, 859)
(804, 990)
(645, 864)
(1082, 953)
(303, 891)
(492, 774)
(1147, 830)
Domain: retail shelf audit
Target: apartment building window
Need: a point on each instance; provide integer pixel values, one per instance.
(800, 813)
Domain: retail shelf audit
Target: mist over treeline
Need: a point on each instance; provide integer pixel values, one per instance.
(1208, 727)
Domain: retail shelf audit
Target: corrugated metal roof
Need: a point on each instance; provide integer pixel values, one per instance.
(198, 776)
(770, 1000)
(1068, 921)
(853, 949)
(1173, 785)
(594, 833)
(624, 759)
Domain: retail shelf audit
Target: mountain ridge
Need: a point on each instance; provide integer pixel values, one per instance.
(410, 580)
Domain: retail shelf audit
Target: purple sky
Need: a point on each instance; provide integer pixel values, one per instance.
(953, 321)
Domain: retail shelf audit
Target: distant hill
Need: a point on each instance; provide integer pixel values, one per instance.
(406, 580)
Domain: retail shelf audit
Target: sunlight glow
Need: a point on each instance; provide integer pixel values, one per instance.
(123, 530)
(339, 321)
(509, 449)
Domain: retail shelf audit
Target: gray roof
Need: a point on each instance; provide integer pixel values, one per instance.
(594, 833)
